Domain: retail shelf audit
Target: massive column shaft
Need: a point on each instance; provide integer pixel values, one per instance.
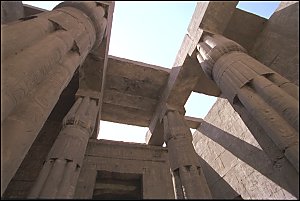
(270, 98)
(58, 177)
(40, 56)
(188, 177)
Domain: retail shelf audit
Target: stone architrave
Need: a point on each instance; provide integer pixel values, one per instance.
(37, 68)
(58, 177)
(270, 98)
(188, 177)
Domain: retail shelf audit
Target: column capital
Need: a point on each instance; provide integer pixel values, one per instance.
(83, 114)
(96, 95)
(169, 108)
(212, 47)
(95, 11)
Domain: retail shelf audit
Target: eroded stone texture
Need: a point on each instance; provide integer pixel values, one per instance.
(189, 180)
(58, 177)
(150, 162)
(237, 162)
(278, 45)
(225, 130)
(244, 81)
(34, 79)
(11, 11)
(240, 160)
(33, 161)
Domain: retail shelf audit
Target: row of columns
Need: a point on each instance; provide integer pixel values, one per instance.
(40, 55)
(38, 67)
(268, 97)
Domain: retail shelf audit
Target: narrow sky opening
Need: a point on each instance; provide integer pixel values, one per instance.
(48, 5)
(261, 8)
(198, 105)
(122, 132)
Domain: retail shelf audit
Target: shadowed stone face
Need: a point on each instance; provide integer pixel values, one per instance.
(11, 11)
(38, 67)
(41, 53)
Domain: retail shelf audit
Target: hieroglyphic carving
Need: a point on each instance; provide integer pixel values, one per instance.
(37, 72)
(188, 177)
(243, 79)
(59, 175)
(21, 127)
(27, 68)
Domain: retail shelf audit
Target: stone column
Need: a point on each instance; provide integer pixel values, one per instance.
(36, 69)
(58, 177)
(188, 177)
(270, 98)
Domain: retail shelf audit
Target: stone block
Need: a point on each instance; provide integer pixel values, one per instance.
(11, 11)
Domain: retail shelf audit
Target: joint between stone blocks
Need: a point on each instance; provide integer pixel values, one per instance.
(89, 93)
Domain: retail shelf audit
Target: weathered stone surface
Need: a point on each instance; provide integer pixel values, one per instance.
(135, 70)
(61, 169)
(149, 161)
(182, 80)
(32, 10)
(43, 143)
(33, 82)
(211, 16)
(188, 175)
(11, 11)
(204, 85)
(125, 115)
(131, 90)
(23, 125)
(238, 162)
(278, 45)
(20, 186)
(237, 75)
(232, 151)
(244, 28)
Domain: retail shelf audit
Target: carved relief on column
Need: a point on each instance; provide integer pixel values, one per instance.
(38, 68)
(96, 13)
(265, 94)
(21, 127)
(189, 179)
(66, 28)
(58, 177)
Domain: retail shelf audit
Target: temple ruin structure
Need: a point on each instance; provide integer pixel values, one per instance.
(58, 82)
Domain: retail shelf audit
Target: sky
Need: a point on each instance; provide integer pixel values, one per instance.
(152, 32)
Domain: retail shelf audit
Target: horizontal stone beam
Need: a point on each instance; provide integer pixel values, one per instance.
(192, 122)
(125, 115)
(131, 88)
(135, 70)
(211, 16)
(180, 84)
(127, 100)
(208, 16)
(32, 10)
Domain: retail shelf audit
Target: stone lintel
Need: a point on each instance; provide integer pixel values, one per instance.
(208, 16)
(182, 80)
(191, 122)
(32, 10)
(89, 93)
